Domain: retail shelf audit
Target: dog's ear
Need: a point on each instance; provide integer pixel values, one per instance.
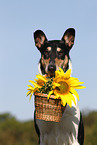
(39, 38)
(69, 37)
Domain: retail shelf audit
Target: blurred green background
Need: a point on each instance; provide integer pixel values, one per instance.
(14, 132)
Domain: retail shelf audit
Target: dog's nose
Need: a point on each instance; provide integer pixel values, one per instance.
(51, 68)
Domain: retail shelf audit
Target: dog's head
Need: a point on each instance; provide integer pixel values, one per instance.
(55, 53)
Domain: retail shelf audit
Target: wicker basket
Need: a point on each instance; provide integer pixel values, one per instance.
(48, 110)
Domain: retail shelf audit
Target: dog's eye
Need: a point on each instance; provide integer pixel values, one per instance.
(60, 53)
(46, 54)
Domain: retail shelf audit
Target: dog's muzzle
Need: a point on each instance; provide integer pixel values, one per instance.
(51, 70)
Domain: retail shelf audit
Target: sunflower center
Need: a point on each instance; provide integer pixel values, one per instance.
(63, 88)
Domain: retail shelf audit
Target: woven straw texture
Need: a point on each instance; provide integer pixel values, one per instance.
(48, 110)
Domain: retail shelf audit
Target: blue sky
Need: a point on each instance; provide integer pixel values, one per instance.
(19, 56)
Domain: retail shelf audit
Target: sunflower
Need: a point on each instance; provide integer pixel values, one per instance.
(40, 81)
(64, 87)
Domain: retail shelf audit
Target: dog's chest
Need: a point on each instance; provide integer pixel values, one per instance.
(62, 133)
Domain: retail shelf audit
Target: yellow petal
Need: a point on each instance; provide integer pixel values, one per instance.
(67, 74)
(57, 73)
(56, 95)
(41, 77)
(72, 79)
(76, 83)
(72, 98)
(30, 86)
(67, 99)
(79, 87)
(63, 101)
(28, 93)
(30, 97)
(56, 84)
(61, 71)
(69, 102)
(51, 92)
(35, 84)
(30, 89)
(74, 92)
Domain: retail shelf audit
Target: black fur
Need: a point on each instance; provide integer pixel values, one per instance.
(81, 131)
(36, 128)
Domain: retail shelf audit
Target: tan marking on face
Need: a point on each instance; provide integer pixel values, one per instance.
(45, 63)
(58, 49)
(58, 62)
(49, 48)
(65, 62)
(61, 63)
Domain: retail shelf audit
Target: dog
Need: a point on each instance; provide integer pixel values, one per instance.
(55, 54)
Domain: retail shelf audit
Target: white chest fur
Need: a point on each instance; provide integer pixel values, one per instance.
(62, 133)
